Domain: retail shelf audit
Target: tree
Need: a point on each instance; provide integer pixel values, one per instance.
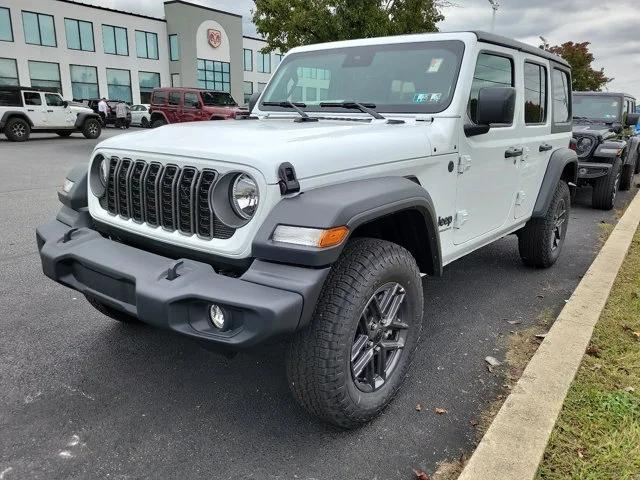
(585, 78)
(286, 24)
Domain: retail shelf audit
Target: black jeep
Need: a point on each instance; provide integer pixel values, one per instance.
(605, 140)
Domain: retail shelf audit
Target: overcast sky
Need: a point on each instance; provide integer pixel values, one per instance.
(613, 28)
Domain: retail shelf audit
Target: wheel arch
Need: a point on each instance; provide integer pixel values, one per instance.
(8, 115)
(563, 165)
(155, 115)
(82, 117)
(389, 208)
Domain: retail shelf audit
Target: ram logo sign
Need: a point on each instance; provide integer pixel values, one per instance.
(215, 37)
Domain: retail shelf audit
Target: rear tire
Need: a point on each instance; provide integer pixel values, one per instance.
(158, 122)
(144, 123)
(540, 241)
(92, 128)
(64, 133)
(334, 365)
(111, 312)
(17, 130)
(605, 189)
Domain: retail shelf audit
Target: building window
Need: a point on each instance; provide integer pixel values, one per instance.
(535, 94)
(248, 60)
(79, 35)
(248, 91)
(214, 75)
(174, 47)
(45, 75)
(147, 82)
(8, 72)
(264, 62)
(84, 82)
(39, 29)
(6, 31)
(115, 40)
(119, 85)
(175, 80)
(278, 59)
(261, 87)
(147, 45)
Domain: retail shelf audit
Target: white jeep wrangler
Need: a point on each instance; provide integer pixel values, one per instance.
(25, 109)
(365, 164)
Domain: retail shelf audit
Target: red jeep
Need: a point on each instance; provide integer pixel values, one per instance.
(176, 105)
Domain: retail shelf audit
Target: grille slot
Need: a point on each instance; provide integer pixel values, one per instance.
(174, 198)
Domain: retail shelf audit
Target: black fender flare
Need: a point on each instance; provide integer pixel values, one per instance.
(76, 198)
(82, 117)
(609, 149)
(634, 149)
(350, 204)
(15, 113)
(559, 160)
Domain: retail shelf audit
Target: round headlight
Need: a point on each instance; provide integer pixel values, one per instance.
(584, 145)
(104, 171)
(244, 196)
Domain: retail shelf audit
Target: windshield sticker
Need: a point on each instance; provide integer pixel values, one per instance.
(435, 97)
(421, 97)
(436, 63)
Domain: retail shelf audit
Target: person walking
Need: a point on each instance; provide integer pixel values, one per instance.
(121, 115)
(103, 110)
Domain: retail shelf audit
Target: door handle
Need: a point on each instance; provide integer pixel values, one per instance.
(545, 147)
(30, 110)
(50, 111)
(513, 152)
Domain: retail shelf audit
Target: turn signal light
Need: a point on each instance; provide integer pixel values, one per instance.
(310, 237)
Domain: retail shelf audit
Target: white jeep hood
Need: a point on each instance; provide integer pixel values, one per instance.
(314, 148)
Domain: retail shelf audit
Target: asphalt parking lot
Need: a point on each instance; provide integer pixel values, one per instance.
(85, 397)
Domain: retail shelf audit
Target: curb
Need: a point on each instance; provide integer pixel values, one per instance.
(514, 444)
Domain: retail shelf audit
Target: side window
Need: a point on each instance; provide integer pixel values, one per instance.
(160, 97)
(32, 98)
(492, 70)
(191, 99)
(535, 94)
(53, 100)
(561, 97)
(174, 98)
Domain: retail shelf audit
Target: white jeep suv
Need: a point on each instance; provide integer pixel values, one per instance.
(24, 110)
(365, 164)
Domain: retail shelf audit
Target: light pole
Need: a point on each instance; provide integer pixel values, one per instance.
(494, 6)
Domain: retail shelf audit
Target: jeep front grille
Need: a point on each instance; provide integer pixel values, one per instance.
(167, 196)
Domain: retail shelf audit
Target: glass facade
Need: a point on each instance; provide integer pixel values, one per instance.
(84, 82)
(119, 84)
(6, 31)
(45, 75)
(79, 35)
(174, 47)
(248, 60)
(147, 45)
(147, 82)
(115, 40)
(248, 91)
(8, 72)
(264, 62)
(214, 75)
(39, 29)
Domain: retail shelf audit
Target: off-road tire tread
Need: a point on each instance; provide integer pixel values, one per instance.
(9, 125)
(158, 123)
(534, 239)
(627, 177)
(601, 197)
(111, 312)
(316, 352)
(85, 128)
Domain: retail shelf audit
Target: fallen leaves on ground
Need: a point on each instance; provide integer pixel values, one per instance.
(593, 351)
(418, 407)
(420, 475)
(440, 411)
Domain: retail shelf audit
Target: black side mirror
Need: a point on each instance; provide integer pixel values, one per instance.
(632, 119)
(253, 100)
(65, 104)
(495, 106)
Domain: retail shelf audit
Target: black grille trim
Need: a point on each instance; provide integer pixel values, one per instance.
(167, 196)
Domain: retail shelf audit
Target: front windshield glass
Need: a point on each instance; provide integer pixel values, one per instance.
(397, 78)
(218, 98)
(596, 107)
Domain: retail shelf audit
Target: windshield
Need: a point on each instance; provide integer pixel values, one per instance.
(218, 98)
(396, 78)
(597, 107)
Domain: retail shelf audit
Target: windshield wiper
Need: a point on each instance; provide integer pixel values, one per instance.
(363, 107)
(295, 106)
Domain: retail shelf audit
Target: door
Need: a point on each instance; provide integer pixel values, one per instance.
(192, 107)
(58, 116)
(35, 110)
(537, 142)
(174, 106)
(488, 166)
(136, 114)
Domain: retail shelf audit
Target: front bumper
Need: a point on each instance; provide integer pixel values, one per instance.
(591, 170)
(267, 301)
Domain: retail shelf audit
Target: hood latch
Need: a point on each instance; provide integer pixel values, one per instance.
(287, 179)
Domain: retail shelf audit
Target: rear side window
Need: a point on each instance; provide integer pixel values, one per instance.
(561, 97)
(492, 70)
(535, 94)
(10, 98)
(174, 98)
(159, 98)
(32, 98)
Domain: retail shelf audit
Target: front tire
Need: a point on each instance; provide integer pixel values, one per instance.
(111, 312)
(144, 123)
(605, 189)
(17, 130)
(92, 128)
(349, 363)
(628, 171)
(541, 240)
(159, 122)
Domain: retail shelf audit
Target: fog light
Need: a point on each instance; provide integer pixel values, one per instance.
(216, 314)
(583, 171)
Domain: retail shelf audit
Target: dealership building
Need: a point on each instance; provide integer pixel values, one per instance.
(85, 51)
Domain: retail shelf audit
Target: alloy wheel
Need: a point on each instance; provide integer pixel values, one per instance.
(19, 130)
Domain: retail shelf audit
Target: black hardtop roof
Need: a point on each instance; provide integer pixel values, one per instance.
(520, 46)
(606, 94)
